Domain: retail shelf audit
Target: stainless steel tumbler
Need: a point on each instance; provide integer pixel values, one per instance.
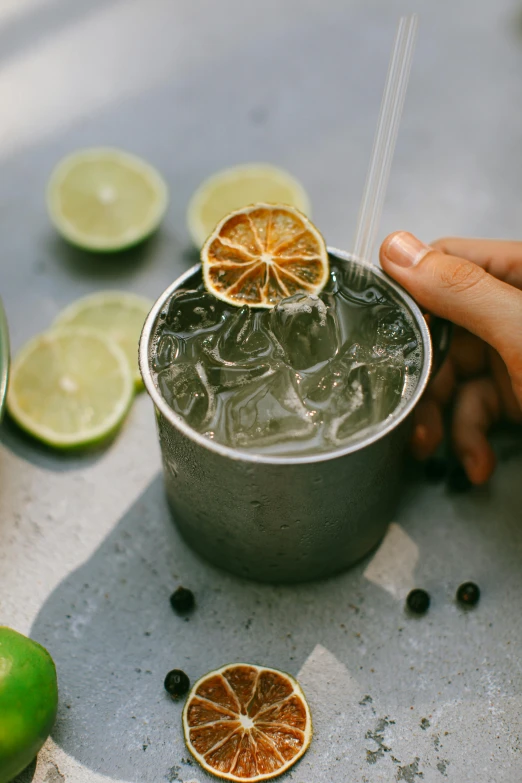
(283, 519)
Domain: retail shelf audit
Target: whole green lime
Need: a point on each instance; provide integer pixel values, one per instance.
(28, 701)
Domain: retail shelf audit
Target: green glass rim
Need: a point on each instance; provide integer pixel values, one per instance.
(4, 358)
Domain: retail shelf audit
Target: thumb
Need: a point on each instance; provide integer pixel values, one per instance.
(460, 291)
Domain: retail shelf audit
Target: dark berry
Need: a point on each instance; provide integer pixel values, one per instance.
(458, 480)
(177, 683)
(436, 469)
(468, 594)
(182, 600)
(418, 601)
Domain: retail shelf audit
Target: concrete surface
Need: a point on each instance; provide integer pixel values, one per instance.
(88, 556)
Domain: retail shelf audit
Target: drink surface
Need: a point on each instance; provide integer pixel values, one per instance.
(311, 375)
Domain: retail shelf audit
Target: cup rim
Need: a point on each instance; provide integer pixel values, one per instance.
(244, 456)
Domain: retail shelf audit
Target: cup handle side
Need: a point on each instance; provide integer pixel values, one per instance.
(441, 333)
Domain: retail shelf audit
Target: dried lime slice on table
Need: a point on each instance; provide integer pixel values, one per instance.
(245, 722)
(70, 387)
(118, 315)
(105, 200)
(238, 187)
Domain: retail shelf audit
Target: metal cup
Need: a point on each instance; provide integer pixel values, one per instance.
(283, 519)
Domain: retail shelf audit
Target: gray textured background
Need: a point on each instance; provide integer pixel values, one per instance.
(88, 555)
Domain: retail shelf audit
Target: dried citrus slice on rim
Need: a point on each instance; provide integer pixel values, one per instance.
(246, 722)
(261, 254)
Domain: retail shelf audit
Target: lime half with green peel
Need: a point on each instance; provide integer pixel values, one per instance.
(118, 315)
(105, 200)
(28, 701)
(238, 187)
(70, 387)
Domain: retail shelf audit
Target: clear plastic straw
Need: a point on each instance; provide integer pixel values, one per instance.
(385, 137)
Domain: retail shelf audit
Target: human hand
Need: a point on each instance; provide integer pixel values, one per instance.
(476, 284)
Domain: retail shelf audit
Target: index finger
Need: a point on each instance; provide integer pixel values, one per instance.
(501, 258)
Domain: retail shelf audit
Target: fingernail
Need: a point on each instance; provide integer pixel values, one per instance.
(405, 250)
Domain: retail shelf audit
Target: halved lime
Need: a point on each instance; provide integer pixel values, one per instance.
(104, 199)
(70, 387)
(117, 314)
(28, 701)
(237, 187)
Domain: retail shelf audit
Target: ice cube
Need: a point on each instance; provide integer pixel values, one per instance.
(358, 284)
(351, 410)
(395, 331)
(187, 390)
(244, 338)
(268, 411)
(240, 351)
(327, 386)
(189, 311)
(306, 329)
(167, 350)
(355, 390)
(386, 387)
(389, 332)
(224, 376)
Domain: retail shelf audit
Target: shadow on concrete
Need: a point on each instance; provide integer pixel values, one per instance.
(105, 267)
(28, 774)
(114, 636)
(27, 448)
(111, 630)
